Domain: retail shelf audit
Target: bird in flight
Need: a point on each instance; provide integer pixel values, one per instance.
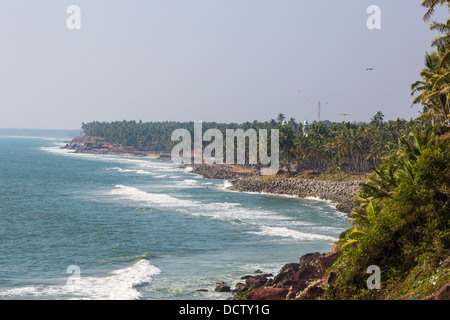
(369, 69)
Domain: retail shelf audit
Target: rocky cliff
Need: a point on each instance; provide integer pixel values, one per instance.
(295, 281)
(309, 278)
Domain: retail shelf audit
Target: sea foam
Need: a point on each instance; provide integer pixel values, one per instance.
(160, 199)
(119, 284)
(288, 233)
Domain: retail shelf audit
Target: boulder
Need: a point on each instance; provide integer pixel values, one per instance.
(309, 258)
(311, 293)
(222, 287)
(287, 271)
(303, 280)
(327, 261)
(306, 273)
(295, 288)
(255, 282)
(240, 287)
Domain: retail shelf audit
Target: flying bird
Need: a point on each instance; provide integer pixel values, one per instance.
(369, 69)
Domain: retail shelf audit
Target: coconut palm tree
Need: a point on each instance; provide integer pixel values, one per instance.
(433, 89)
(362, 221)
(287, 144)
(431, 5)
(280, 118)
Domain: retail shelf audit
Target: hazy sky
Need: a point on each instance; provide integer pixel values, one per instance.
(209, 60)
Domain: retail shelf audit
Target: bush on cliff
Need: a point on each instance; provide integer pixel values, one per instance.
(403, 222)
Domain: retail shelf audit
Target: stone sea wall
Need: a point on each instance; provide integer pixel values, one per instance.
(341, 193)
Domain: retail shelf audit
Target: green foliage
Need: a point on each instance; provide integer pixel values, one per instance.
(332, 147)
(404, 226)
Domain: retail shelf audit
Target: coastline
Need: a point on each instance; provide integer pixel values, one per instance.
(242, 178)
(295, 281)
(306, 279)
(247, 179)
(339, 193)
(93, 145)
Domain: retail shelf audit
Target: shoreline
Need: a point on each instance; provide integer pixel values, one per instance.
(340, 193)
(302, 280)
(123, 153)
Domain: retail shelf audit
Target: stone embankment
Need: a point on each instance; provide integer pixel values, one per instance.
(341, 193)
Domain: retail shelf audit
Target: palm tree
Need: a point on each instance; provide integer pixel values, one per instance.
(442, 42)
(431, 5)
(381, 182)
(417, 142)
(280, 118)
(362, 221)
(434, 89)
(287, 144)
(377, 118)
(443, 28)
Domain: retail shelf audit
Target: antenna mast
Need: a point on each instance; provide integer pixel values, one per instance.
(319, 111)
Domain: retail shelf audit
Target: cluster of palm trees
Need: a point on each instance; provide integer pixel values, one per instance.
(154, 136)
(433, 90)
(328, 146)
(340, 147)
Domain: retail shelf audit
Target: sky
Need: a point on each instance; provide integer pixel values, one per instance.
(208, 60)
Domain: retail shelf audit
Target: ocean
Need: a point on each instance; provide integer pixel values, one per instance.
(87, 226)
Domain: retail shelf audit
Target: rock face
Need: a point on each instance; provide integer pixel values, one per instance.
(341, 193)
(82, 142)
(253, 282)
(297, 281)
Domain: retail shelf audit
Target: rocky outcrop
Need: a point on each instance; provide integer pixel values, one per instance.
(253, 282)
(222, 287)
(83, 142)
(98, 145)
(165, 157)
(296, 281)
(341, 193)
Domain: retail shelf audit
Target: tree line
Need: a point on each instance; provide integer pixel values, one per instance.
(320, 146)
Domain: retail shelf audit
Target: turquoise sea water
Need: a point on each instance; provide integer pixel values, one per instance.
(80, 226)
